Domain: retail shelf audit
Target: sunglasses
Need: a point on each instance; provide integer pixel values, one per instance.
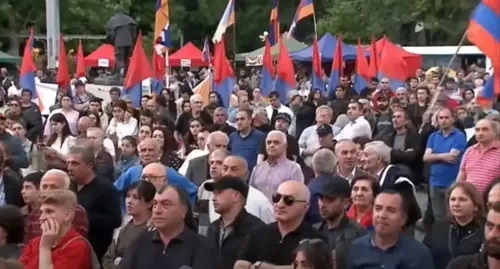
(287, 199)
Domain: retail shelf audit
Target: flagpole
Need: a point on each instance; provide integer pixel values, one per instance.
(167, 69)
(234, 44)
(433, 101)
(315, 27)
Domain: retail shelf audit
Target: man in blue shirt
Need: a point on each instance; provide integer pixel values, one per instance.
(443, 152)
(149, 153)
(245, 142)
(389, 247)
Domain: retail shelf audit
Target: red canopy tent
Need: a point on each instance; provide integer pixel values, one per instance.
(412, 61)
(102, 56)
(188, 53)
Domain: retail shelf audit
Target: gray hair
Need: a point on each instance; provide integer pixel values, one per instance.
(63, 176)
(217, 134)
(220, 110)
(381, 149)
(259, 111)
(195, 97)
(281, 135)
(86, 153)
(324, 161)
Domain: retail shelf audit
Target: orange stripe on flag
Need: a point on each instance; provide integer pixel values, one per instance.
(204, 89)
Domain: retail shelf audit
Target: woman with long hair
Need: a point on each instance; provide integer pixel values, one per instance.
(168, 148)
(463, 232)
(316, 99)
(68, 112)
(122, 124)
(313, 254)
(214, 101)
(57, 145)
(144, 132)
(363, 193)
(139, 204)
(190, 141)
(96, 119)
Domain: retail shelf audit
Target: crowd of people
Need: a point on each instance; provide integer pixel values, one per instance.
(322, 181)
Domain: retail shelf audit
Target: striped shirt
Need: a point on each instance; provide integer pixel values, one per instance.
(481, 166)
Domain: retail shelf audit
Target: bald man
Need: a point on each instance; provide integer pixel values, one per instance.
(149, 153)
(83, 124)
(265, 247)
(156, 173)
(53, 179)
(269, 174)
(197, 168)
(257, 203)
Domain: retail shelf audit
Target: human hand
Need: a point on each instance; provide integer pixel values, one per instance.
(50, 232)
(449, 158)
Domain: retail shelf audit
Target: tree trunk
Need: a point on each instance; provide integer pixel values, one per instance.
(14, 44)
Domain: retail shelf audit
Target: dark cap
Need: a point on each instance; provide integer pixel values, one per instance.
(284, 116)
(79, 83)
(335, 186)
(228, 182)
(324, 130)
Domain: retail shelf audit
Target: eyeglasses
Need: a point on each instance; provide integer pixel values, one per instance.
(314, 241)
(151, 177)
(287, 199)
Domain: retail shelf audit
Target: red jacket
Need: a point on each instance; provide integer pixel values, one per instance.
(73, 251)
(366, 219)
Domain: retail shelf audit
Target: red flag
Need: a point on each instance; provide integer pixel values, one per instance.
(317, 76)
(222, 66)
(373, 68)
(362, 67)
(268, 70)
(80, 61)
(63, 79)
(139, 68)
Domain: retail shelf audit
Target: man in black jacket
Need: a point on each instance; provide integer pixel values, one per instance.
(406, 144)
(10, 185)
(227, 234)
(32, 116)
(489, 255)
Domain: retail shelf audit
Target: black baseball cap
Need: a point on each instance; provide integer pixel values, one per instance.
(228, 182)
(335, 186)
(79, 83)
(324, 130)
(284, 116)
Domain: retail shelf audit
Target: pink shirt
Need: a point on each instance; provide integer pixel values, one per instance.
(481, 166)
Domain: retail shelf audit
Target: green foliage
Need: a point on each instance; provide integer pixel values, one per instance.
(445, 20)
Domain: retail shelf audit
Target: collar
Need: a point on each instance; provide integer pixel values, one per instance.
(350, 176)
(358, 118)
(237, 221)
(279, 161)
(299, 230)
(183, 236)
(494, 145)
(68, 237)
(249, 133)
(343, 224)
(453, 131)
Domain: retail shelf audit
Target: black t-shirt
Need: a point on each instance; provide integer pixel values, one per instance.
(267, 245)
(292, 148)
(182, 125)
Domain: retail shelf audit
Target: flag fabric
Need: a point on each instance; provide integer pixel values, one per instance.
(268, 71)
(138, 70)
(28, 68)
(285, 73)
(363, 72)
(336, 72)
(392, 64)
(228, 19)
(158, 79)
(373, 67)
(274, 23)
(205, 53)
(317, 70)
(484, 32)
(63, 79)
(487, 95)
(80, 61)
(304, 10)
(204, 88)
(162, 24)
(224, 78)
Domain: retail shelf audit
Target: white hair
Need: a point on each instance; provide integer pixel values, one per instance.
(259, 111)
(381, 150)
(280, 134)
(217, 134)
(195, 97)
(63, 176)
(324, 161)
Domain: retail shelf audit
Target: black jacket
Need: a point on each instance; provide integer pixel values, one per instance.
(304, 117)
(446, 241)
(226, 254)
(12, 188)
(475, 261)
(32, 117)
(412, 155)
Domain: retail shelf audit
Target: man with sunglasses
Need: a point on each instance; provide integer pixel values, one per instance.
(273, 245)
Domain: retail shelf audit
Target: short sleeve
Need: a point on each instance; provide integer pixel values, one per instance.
(460, 143)
(430, 144)
(463, 162)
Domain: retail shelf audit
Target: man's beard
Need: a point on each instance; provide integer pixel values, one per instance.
(492, 248)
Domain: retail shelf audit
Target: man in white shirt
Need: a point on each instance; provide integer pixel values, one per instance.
(358, 127)
(257, 203)
(276, 107)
